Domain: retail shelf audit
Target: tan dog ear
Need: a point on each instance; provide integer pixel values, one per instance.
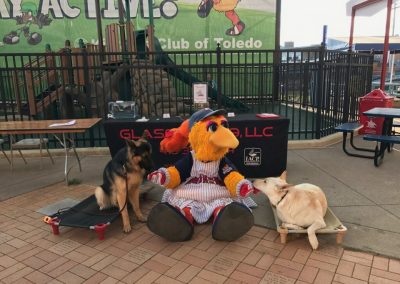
(283, 176)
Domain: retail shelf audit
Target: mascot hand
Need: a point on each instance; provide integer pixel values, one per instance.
(158, 177)
(246, 189)
(173, 142)
(175, 139)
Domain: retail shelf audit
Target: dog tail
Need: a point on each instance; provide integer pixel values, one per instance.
(103, 200)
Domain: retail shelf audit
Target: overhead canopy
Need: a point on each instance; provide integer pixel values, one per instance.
(363, 5)
(365, 43)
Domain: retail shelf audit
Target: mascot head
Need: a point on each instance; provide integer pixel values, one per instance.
(209, 135)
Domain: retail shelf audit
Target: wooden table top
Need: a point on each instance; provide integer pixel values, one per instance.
(43, 126)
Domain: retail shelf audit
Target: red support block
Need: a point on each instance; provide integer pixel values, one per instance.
(54, 222)
(100, 230)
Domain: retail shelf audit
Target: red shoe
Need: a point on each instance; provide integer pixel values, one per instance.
(186, 212)
(236, 30)
(216, 212)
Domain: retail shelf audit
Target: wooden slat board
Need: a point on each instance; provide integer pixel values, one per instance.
(112, 42)
(131, 39)
(34, 79)
(57, 94)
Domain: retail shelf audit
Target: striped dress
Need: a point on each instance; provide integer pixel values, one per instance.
(203, 197)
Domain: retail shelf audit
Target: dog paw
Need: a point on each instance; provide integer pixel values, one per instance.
(142, 219)
(127, 229)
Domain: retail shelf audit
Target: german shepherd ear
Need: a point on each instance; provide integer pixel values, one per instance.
(130, 143)
(144, 135)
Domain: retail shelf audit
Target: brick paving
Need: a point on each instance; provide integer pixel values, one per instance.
(30, 253)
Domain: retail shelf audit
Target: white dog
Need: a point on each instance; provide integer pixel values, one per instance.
(298, 206)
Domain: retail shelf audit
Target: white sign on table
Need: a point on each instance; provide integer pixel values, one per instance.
(200, 93)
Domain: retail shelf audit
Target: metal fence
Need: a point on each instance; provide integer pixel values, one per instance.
(316, 88)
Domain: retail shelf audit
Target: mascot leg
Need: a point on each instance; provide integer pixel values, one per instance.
(168, 222)
(238, 25)
(232, 222)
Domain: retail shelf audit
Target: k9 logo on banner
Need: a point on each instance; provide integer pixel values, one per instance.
(252, 156)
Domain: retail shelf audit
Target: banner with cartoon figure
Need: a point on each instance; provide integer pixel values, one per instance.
(28, 25)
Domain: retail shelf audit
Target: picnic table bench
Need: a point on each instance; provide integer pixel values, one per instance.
(384, 140)
(352, 127)
(389, 140)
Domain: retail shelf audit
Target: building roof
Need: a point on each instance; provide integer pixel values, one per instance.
(365, 42)
(368, 39)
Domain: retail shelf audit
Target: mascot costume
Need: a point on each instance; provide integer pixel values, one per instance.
(204, 184)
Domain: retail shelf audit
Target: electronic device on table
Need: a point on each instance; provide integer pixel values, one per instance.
(123, 110)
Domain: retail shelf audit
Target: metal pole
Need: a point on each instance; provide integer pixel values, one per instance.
(320, 90)
(394, 52)
(278, 25)
(277, 53)
(324, 33)
(219, 75)
(386, 44)
(353, 14)
(127, 11)
(346, 101)
(122, 26)
(151, 17)
(99, 29)
(150, 30)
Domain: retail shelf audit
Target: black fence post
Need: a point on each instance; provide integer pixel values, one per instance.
(3, 94)
(370, 71)
(86, 78)
(88, 92)
(320, 90)
(70, 73)
(219, 76)
(275, 74)
(346, 99)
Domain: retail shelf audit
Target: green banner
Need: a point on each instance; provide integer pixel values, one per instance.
(28, 25)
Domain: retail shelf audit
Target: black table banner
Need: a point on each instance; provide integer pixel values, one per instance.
(262, 150)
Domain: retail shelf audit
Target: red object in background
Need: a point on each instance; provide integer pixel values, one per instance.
(376, 98)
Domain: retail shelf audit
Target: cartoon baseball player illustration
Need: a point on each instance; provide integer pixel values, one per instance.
(223, 6)
(29, 16)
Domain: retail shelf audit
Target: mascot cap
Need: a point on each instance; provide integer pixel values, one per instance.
(202, 114)
(29, 7)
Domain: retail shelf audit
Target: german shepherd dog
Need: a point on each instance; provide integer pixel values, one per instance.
(123, 175)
